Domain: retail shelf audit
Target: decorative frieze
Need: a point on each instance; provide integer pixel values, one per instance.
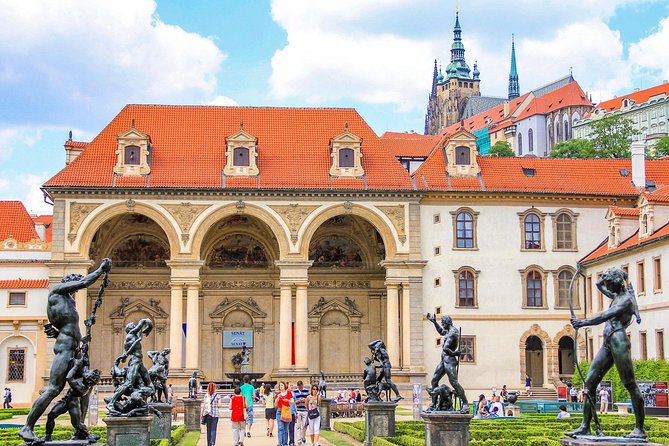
(185, 214)
(345, 284)
(396, 216)
(139, 285)
(238, 284)
(79, 211)
(294, 215)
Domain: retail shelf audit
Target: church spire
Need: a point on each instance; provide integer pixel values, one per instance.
(434, 78)
(514, 86)
(458, 68)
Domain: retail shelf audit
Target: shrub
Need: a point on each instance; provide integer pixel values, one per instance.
(178, 433)
(350, 430)
(644, 370)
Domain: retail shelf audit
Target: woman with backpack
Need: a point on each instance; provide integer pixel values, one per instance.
(212, 403)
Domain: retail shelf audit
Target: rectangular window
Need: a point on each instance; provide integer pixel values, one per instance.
(131, 155)
(657, 274)
(468, 349)
(635, 119)
(643, 346)
(436, 218)
(346, 158)
(644, 116)
(600, 296)
(16, 365)
(659, 344)
(626, 268)
(653, 113)
(591, 349)
(437, 250)
(437, 282)
(438, 342)
(640, 277)
(661, 112)
(588, 292)
(17, 298)
(437, 310)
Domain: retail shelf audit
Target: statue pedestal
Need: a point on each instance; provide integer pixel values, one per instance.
(162, 427)
(604, 441)
(244, 368)
(192, 410)
(379, 420)
(446, 428)
(325, 414)
(515, 410)
(128, 431)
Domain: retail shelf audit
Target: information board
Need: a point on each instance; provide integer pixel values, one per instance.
(237, 338)
(654, 393)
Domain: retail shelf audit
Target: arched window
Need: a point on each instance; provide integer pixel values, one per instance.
(346, 158)
(530, 140)
(462, 156)
(532, 226)
(241, 157)
(465, 287)
(464, 230)
(566, 130)
(556, 129)
(520, 143)
(534, 289)
(565, 233)
(562, 295)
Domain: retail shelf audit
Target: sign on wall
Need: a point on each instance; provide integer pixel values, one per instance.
(654, 393)
(237, 338)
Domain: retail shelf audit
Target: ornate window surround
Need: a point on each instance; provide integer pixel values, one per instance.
(346, 140)
(574, 217)
(456, 274)
(133, 137)
(454, 217)
(523, 276)
(241, 140)
(556, 283)
(542, 217)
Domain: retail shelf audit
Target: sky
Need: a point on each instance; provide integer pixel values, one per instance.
(73, 64)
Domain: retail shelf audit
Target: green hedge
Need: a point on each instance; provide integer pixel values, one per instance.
(350, 429)
(19, 411)
(160, 442)
(646, 370)
(178, 433)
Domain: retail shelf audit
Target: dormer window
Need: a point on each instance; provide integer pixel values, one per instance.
(614, 233)
(460, 150)
(241, 154)
(133, 152)
(346, 155)
(462, 156)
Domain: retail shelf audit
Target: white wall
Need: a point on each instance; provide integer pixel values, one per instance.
(538, 125)
(21, 391)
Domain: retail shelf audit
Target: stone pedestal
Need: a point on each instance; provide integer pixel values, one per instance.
(192, 410)
(604, 441)
(325, 414)
(128, 431)
(446, 428)
(162, 427)
(379, 420)
(515, 410)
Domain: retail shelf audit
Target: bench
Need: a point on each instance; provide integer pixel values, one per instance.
(623, 408)
(346, 410)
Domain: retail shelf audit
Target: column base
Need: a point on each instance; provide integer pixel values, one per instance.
(128, 431)
(192, 410)
(379, 420)
(604, 441)
(446, 428)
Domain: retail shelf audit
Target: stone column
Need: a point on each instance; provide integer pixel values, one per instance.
(128, 431)
(192, 326)
(379, 421)
(301, 328)
(176, 321)
(285, 322)
(192, 411)
(392, 324)
(406, 329)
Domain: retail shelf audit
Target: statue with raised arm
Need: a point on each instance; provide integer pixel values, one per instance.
(63, 326)
(449, 365)
(158, 373)
(136, 374)
(380, 354)
(615, 349)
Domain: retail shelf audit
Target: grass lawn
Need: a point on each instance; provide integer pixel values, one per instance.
(335, 438)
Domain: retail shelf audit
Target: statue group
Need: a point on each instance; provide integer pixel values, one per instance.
(377, 383)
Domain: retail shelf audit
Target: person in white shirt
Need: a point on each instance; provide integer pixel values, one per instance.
(604, 400)
(563, 412)
(497, 404)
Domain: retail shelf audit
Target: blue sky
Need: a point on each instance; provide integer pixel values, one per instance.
(73, 64)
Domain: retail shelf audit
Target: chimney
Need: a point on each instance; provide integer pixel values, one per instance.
(638, 164)
(506, 108)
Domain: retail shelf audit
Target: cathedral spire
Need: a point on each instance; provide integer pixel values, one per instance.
(514, 86)
(434, 78)
(458, 68)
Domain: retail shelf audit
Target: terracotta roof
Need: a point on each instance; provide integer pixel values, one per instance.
(409, 144)
(15, 222)
(47, 221)
(491, 117)
(633, 212)
(638, 97)
(631, 242)
(77, 144)
(659, 195)
(24, 283)
(569, 95)
(189, 145)
(540, 175)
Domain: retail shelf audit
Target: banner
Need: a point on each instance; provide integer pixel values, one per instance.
(562, 393)
(654, 393)
(237, 338)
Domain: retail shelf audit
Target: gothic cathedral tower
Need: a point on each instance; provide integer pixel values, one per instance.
(514, 86)
(450, 93)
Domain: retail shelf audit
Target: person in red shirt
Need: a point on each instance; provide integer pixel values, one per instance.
(238, 410)
(283, 399)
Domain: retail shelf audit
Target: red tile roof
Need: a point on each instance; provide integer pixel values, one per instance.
(630, 243)
(15, 222)
(409, 144)
(47, 221)
(189, 145)
(551, 175)
(77, 144)
(659, 195)
(24, 283)
(632, 212)
(638, 97)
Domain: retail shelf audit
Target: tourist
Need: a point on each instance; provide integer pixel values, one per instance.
(494, 412)
(497, 406)
(528, 385)
(247, 392)
(573, 394)
(480, 405)
(238, 416)
(293, 412)
(504, 394)
(300, 395)
(604, 400)
(210, 411)
(270, 410)
(313, 401)
(358, 396)
(283, 402)
(8, 398)
(563, 412)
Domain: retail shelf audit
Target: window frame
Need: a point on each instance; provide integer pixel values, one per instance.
(237, 150)
(530, 141)
(350, 160)
(474, 221)
(473, 344)
(643, 345)
(555, 216)
(460, 157)
(657, 274)
(9, 365)
(9, 298)
(659, 344)
(437, 251)
(542, 242)
(475, 275)
(127, 150)
(542, 280)
(641, 278)
(556, 282)
(436, 218)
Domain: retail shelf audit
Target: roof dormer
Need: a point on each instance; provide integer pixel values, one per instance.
(646, 217)
(133, 152)
(460, 152)
(241, 154)
(623, 222)
(346, 154)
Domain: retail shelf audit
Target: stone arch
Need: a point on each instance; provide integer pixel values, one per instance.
(238, 319)
(568, 330)
(201, 228)
(95, 220)
(13, 336)
(22, 391)
(372, 217)
(548, 346)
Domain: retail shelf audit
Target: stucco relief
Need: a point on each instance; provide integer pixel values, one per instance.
(396, 216)
(294, 215)
(79, 211)
(232, 313)
(339, 284)
(239, 284)
(185, 214)
(139, 285)
(153, 309)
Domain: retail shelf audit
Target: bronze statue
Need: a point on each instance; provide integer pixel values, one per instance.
(64, 327)
(450, 361)
(322, 386)
(134, 405)
(192, 386)
(369, 381)
(380, 354)
(158, 373)
(615, 349)
(136, 374)
(242, 357)
(442, 399)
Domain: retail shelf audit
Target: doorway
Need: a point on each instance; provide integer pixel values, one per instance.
(534, 360)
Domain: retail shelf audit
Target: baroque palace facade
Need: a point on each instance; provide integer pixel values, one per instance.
(300, 227)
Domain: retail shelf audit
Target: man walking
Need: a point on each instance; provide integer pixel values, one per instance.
(300, 396)
(8, 399)
(247, 392)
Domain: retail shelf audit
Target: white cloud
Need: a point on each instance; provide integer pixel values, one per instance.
(34, 198)
(86, 59)
(651, 52)
(223, 100)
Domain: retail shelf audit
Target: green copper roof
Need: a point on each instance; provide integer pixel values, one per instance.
(514, 71)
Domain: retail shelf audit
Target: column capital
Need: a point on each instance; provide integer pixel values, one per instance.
(390, 284)
(294, 271)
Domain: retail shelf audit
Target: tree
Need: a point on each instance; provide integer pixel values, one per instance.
(502, 148)
(661, 147)
(573, 148)
(611, 137)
